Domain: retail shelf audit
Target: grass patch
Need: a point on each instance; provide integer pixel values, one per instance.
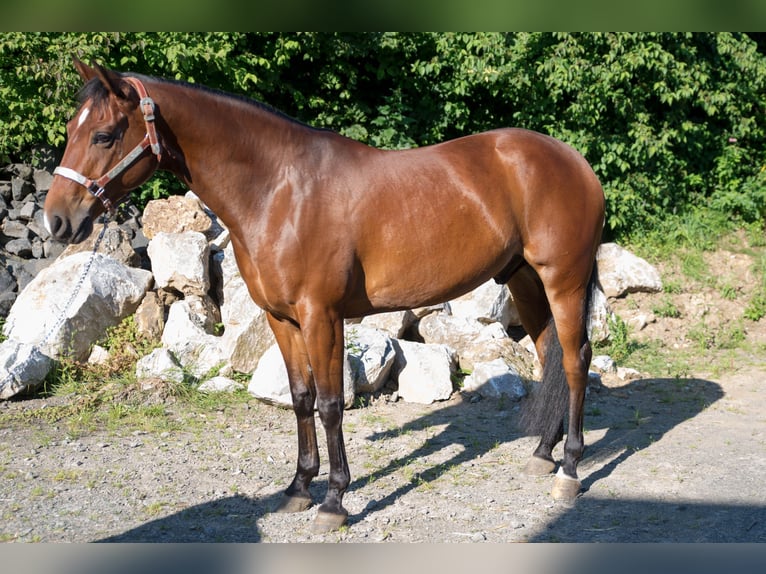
(109, 396)
(666, 308)
(620, 345)
(756, 307)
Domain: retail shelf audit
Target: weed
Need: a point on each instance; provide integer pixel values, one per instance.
(155, 509)
(727, 336)
(620, 346)
(666, 308)
(694, 267)
(65, 475)
(672, 286)
(729, 292)
(756, 307)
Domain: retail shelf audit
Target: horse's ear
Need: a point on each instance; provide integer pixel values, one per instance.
(85, 71)
(112, 80)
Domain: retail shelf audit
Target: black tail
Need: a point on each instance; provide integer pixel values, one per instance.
(547, 405)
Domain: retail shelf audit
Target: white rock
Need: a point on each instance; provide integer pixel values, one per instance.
(423, 371)
(181, 261)
(628, 374)
(494, 379)
(109, 292)
(22, 367)
(98, 355)
(598, 319)
(604, 364)
(184, 335)
(395, 323)
(246, 334)
(621, 272)
(160, 363)
(270, 384)
(453, 331)
(371, 355)
(220, 384)
(487, 303)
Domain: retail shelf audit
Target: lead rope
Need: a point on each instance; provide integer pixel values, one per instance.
(36, 349)
(75, 290)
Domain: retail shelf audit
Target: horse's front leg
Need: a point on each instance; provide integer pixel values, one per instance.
(291, 344)
(323, 333)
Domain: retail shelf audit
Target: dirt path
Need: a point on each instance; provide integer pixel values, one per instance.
(667, 460)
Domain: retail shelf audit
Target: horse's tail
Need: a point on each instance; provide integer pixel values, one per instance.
(547, 405)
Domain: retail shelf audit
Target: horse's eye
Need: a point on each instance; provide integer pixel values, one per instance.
(103, 138)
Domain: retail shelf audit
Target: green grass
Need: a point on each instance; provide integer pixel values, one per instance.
(666, 308)
(756, 306)
(109, 397)
(681, 244)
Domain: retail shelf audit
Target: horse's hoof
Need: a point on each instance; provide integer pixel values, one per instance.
(537, 466)
(328, 521)
(565, 488)
(293, 504)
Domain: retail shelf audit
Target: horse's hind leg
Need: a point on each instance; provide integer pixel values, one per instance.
(535, 313)
(569, 308)
(290, 340)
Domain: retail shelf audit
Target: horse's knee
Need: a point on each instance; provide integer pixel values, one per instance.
(331, 410)
(303, 402)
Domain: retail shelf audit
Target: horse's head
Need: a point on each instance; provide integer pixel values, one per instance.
(112, 148)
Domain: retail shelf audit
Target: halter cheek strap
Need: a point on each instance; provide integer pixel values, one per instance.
(150, 141)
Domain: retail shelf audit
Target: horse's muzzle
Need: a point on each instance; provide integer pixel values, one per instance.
(63, 230)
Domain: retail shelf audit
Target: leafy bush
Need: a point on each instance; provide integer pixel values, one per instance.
(670, 122)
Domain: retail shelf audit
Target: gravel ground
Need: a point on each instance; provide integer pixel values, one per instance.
(667, 460)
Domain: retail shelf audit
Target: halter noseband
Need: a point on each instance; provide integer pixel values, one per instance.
(96, 187)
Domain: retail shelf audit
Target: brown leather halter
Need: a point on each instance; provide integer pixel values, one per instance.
(96, 187)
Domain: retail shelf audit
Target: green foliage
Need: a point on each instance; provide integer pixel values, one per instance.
(671, 122)
(756, 307)
(666, 308)
(620, 345)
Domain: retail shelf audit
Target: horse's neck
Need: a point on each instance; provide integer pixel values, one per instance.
(231, 153)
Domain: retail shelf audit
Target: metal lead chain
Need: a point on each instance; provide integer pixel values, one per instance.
(76, 289)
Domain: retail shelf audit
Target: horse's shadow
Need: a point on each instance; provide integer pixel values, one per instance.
(634, 416)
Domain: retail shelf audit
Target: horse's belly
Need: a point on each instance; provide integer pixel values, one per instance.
(403, 281)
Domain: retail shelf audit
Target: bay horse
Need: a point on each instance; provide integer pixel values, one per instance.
(324, 228)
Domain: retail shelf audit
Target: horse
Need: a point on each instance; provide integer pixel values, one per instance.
(326, 228)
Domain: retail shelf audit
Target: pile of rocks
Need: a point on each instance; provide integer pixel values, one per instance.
(174, 270)
(26, 247)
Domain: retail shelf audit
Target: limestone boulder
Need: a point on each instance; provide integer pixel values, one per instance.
(424, 371)
(69, 311)
(181, 261)
(176, 214)
(621, 272)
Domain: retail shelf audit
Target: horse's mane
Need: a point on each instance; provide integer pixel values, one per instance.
(94, 90)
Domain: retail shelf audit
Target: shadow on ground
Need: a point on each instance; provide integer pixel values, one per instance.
(634, 416)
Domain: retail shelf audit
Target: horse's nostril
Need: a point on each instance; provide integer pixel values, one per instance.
(57, 224)
(47, 223)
